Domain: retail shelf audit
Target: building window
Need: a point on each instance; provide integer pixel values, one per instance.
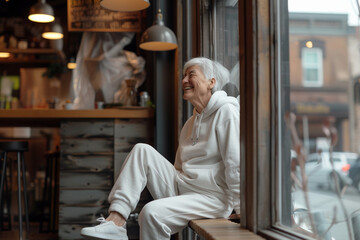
(312, 67)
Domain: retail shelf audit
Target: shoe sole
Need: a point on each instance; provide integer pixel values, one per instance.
(96, 238)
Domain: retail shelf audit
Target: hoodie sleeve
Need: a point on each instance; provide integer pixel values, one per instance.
(228, 134)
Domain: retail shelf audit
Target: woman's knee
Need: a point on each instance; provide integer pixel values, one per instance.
(148, 213)
(140, 146)
(145, 214)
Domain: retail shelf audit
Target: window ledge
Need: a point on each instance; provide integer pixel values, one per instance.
(220, 229)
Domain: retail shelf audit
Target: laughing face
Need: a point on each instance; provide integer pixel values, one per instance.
(196, 88)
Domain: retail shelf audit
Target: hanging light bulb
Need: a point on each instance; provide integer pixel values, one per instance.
(4, 54)
(125, 5)
(158, 37)
(41, 12)
(53, 31)
(72, 63)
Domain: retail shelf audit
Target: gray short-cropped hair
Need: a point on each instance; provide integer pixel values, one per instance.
(211, 69)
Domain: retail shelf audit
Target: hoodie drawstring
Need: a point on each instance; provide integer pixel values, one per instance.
(196, 126)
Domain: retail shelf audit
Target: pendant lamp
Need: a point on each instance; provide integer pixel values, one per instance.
(72, 63)
(41, 12)
(158, 37)
(53, 31)
(4, 54)
(125, 5)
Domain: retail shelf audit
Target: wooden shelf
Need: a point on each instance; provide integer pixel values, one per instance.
(60, 56)
(29, 61)
(52, 117)
(31, 50)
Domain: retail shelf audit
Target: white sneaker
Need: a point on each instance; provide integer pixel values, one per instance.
(105, 230)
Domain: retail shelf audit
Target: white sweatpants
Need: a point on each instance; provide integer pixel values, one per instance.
(172, 208)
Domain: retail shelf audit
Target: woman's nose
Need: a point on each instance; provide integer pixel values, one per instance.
(185, 80)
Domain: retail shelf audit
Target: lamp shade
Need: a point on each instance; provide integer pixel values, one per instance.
(125, 5)
(158, 37)
(53, 31)
(41, 12)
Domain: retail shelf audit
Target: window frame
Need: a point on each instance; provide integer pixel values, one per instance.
(259, 113)
(260, 116)
(318, 66)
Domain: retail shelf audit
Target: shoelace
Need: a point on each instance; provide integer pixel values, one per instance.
(101, 220)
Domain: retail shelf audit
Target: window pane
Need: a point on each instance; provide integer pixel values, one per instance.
(320, 119)
(220, 36)
(311, 75)
(311, 58)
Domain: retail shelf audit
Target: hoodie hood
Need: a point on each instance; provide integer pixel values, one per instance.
(217, 100)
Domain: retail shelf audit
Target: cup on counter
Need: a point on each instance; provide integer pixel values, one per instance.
(69, 106)
(99, 105)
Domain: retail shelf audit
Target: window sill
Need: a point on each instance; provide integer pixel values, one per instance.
(220, 229)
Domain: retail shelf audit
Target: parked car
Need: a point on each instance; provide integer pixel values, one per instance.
(319, 170)
(354, 174)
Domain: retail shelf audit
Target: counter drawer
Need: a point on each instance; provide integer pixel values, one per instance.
(79, 180)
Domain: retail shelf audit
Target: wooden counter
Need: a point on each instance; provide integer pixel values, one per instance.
(93, 146)
(53, 117)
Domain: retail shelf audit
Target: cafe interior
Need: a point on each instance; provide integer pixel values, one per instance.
(79, 90)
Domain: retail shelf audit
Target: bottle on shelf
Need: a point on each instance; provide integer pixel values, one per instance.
(6, 92)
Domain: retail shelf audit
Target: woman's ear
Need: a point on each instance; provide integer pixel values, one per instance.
(212, 83)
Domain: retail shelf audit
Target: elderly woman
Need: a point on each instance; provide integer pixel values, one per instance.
(204, 181)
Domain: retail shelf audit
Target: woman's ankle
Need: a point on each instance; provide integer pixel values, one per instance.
(117, 218)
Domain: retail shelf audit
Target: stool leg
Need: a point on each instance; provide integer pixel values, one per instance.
(45, 195)
(56, 183)
(25, 192)
(51, 192)
(8, 201)
(19, 197)
(3, 174)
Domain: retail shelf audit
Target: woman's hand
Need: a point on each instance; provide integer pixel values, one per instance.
(234, 218)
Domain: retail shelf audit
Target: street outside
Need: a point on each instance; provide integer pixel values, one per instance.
(327, 203)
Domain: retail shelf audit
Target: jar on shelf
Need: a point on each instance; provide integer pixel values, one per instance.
(131, 92)
(144, 99)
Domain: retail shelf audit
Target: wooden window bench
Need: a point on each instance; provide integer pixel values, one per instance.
(219, 229)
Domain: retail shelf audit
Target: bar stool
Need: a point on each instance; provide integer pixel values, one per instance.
(51, 191)
(7, 197)
(18, 147)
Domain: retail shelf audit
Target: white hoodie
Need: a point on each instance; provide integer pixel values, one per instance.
(208, 157)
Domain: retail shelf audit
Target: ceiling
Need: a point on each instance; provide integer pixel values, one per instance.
(20, 8)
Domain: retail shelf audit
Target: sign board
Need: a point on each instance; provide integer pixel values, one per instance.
(89, 16)
(320, 109)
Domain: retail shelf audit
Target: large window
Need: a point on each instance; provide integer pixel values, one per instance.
(317, 134)
(219, 38)
(211, 29)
